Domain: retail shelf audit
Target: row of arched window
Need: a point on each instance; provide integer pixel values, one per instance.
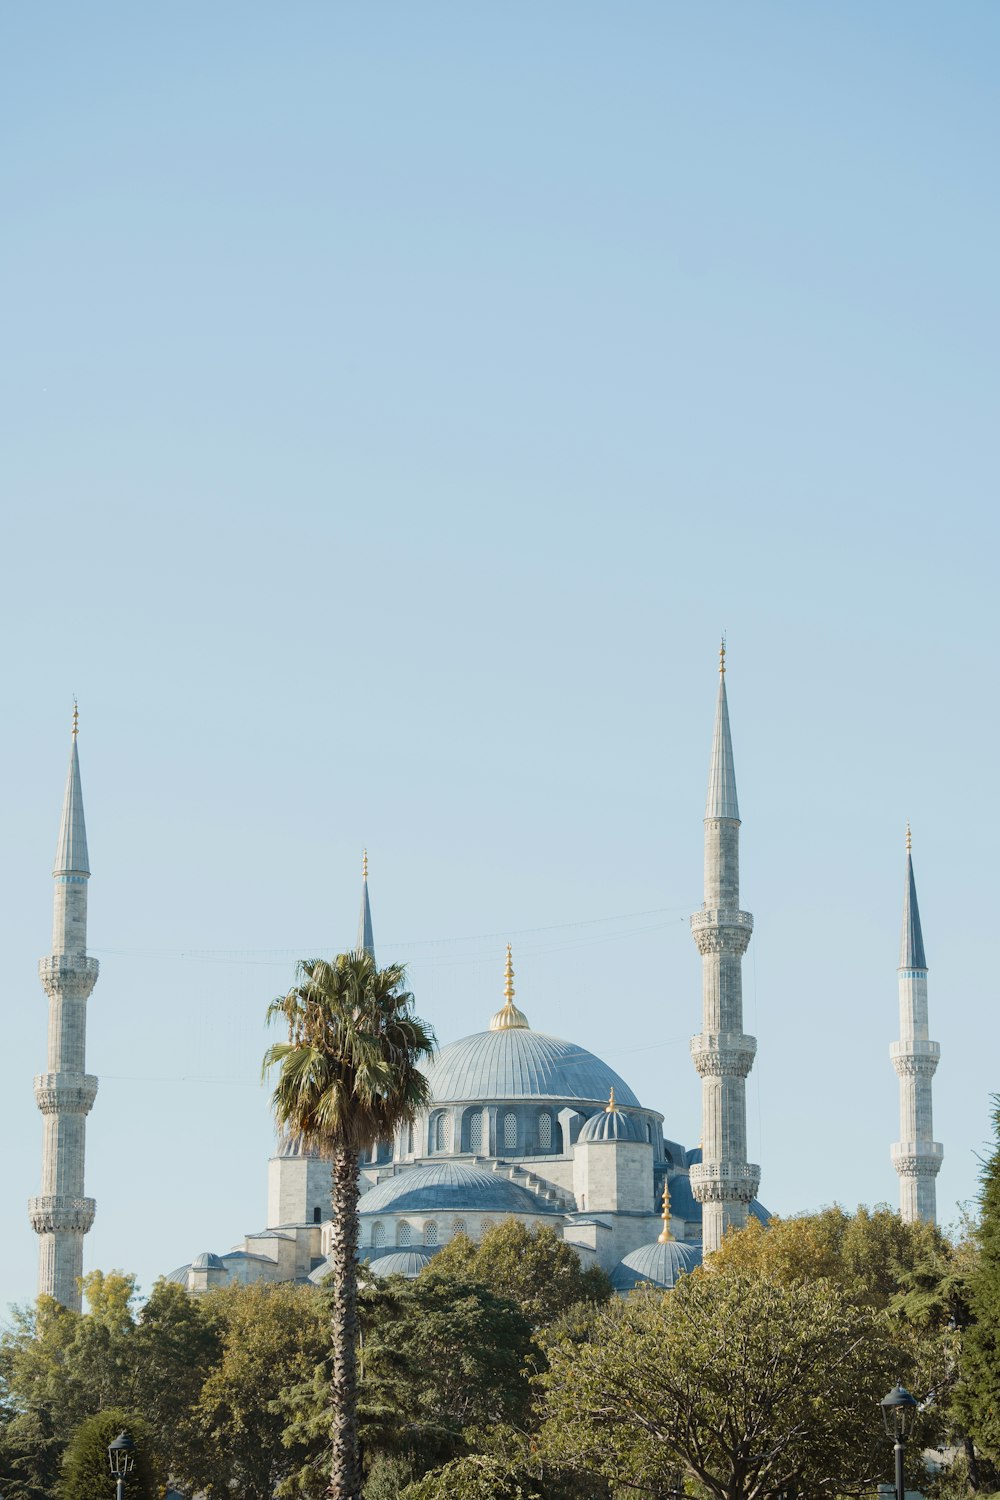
(442, 1124)
(404, 1233)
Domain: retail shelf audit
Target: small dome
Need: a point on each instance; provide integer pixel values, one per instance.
(401, 1263)
(611, 1125)
(449, 1186)
(659, 1264)
(206, 1261)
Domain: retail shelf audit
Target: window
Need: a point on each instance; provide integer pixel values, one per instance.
(430, 1233)
(476, 1133)
(378, 1234)
(441, 1133)
(404, 1234)
(458, 1228)
(649, 1132)
(317, 1215)
(409, 1139)
(545, 1131)
(509, 1130)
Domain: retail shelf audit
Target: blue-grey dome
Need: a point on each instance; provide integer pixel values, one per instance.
(206, 1261)
(657, 1264)
(401, 1262)
(516, 1063)
(611, 1125)
(447, 1186)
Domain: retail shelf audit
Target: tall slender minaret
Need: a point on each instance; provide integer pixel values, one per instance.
(61, 1215)
(366, 938)
(917, 1156)
(724, 1183)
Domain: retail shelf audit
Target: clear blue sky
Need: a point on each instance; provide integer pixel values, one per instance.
(397, 402)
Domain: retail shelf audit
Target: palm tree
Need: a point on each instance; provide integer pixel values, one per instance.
(348, 1078)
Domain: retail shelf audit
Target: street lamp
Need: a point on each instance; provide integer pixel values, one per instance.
(121, 1457)
(899, 1409)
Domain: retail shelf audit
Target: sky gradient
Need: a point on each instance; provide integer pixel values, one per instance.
(397, 401)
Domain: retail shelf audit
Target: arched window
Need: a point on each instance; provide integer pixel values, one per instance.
(458, 1227)
(545, 1130)
(430, 1233)
(378, 1234)
(441, 1133)
(404, 1234)
(409, 1139)
(317, 1215)
(476, 1132)
(649, 1131)
(509, 1130)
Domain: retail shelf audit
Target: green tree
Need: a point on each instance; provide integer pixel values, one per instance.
(348, 1077)
(732, 1386)
(270, 1339)
(86, 1472)
(537, 1269)
(978, 1396)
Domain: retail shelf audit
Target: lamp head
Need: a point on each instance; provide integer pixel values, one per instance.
(899, 1410)
(121, 1455)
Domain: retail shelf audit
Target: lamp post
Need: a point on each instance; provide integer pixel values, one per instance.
(899, 1409)
(121, 1457)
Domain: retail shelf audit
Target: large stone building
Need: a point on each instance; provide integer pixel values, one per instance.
(522, 1123)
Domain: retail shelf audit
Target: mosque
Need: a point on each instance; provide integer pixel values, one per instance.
(522, 1124)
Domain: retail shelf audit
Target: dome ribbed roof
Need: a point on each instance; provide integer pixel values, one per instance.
(401, 1262)
(611, 1125)
(206, 1261)
(657, 1264)
(447, 1186)
(515, 1063)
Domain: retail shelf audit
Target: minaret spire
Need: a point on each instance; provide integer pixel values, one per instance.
(916, 1156)
(61, 1215)
(366, 939)
(725, 1183)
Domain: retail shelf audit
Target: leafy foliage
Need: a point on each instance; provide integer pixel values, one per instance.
(978, 1396)
(536, 1269)
(86, 1473)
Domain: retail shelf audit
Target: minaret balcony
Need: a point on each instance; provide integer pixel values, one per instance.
(725, 1181)
(915, 1059)
(61, 1214)
(722, 917)
(69, 974)
(723, 1054)
(65, 1093)
(917, 1158)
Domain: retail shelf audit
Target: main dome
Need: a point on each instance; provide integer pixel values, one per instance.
(515, 1063)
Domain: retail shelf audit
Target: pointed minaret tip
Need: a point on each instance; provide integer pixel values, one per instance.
(366, 937)
(72, 857)
(911, 945)
(721, 801)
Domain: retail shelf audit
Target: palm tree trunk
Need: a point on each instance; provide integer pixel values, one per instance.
(345, 1466)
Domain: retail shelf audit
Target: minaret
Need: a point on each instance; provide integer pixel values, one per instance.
(916, 1155)
(725, 1182)
(61, 1215)
(366, 937)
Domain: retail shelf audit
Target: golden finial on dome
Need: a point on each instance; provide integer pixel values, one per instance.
(611, 1106)
(722, 656)
(509, 1018)
(665, 1235)
(364, 865)
(76, 719)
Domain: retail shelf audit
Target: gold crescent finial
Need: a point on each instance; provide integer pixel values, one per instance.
(611, 1106)
(722, 656)
(508, 977)
(76, 719)
(665, 1235)
(909, 837)
(364, 865)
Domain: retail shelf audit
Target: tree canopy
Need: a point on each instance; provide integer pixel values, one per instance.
(536, 1269)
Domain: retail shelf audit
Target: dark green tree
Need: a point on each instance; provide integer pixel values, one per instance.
(348, 1076)
(86, 1473)
(537, 1269)
(977, 1399)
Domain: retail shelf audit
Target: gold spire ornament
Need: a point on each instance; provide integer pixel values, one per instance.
(665, 1236)
(364, 865)
(722, 656)
(909, 838)
(76, 719)
(611, 1106)
(509, 1018)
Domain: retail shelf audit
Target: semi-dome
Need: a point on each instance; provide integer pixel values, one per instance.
(206, 1261)
(660, 1264)
(515, 1063)
(611, 1124)
(451, 1185)
(401, 1262)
